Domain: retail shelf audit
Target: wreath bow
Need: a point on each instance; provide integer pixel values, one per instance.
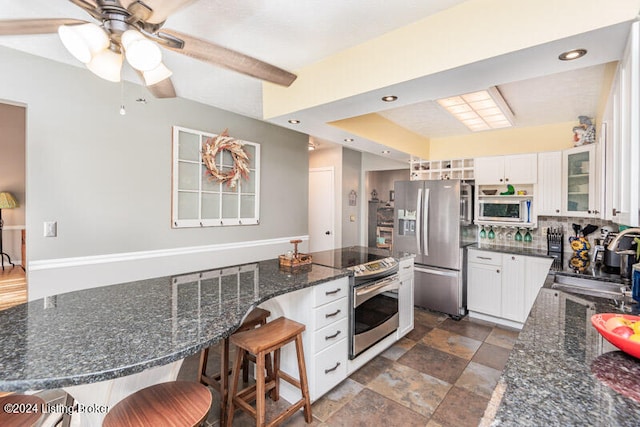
(211, 148)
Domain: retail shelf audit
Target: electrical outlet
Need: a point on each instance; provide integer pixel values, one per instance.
(544, 230)
(50, 229)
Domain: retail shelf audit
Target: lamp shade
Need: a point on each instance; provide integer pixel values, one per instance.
(106, 64)
(83, 41)
(142, 54)
(7, 201)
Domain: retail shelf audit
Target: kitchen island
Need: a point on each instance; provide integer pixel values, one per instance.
(112, 331)
(561, 372)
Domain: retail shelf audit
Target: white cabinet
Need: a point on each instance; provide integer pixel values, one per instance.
(579, 182)
(621, 129)
(484, 282)
(513, 169)
(502, 287)
(405, 297)
(549, 194)
(513, 269)
(323, 309)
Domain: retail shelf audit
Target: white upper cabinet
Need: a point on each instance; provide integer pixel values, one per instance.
(579, 182)
(549, 183)
(621, 128)
(503, 170)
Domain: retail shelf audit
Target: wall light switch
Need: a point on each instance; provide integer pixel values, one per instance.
(50, 229)
(352, 218)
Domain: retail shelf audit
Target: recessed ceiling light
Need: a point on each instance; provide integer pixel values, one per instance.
(572, 54)
(389, 98)
(348, 140)
(293, 121)
(386, 152)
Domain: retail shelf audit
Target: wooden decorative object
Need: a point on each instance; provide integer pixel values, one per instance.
(295, 259)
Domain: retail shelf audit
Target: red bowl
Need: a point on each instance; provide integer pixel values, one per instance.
(630, 347)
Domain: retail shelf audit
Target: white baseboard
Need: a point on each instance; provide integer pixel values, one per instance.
(56, 276)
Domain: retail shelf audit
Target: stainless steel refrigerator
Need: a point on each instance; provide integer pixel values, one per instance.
(433, 220)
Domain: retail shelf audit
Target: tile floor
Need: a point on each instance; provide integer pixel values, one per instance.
(441, 374)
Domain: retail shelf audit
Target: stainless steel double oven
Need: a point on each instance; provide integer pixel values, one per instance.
(373, 297)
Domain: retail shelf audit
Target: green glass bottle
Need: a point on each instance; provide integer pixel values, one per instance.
(492, 235)
(483, 233)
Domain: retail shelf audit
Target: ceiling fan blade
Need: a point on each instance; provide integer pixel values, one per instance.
(13, 27)
(227, 58)
(162, 89)
(160, 9)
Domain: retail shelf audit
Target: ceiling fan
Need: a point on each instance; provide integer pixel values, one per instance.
(133, 29)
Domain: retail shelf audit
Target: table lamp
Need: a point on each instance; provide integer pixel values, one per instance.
(7, 201)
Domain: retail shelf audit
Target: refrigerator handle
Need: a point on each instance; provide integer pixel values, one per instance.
(418, 220)
(425, 222)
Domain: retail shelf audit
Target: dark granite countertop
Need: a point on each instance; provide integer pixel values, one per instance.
(112, 331)
(524, 250)
(561, 372)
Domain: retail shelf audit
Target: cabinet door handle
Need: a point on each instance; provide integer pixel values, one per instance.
(614, 211)
(501, 180)
(557, 210)
(335, 313)
(485, 257)
(327, 293)
(498, 271)
(513, 258)
(406, 267)
(506, 180)
(326, 371)
(330, 337)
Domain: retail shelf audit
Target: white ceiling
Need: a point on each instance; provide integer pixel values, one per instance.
(292, 34)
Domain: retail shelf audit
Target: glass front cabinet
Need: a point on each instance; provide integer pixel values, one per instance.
(579, 181)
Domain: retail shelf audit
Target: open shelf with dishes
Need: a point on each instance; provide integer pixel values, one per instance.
(441, 169)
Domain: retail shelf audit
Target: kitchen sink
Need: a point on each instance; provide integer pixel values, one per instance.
(593, 287)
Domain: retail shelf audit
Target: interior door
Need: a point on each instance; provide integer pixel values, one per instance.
(321, 209)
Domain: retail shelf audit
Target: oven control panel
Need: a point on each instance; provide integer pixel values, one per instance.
(376, 267)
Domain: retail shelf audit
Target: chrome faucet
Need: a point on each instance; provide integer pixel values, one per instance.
(613, 245)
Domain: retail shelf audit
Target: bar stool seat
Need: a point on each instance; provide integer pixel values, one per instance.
(261, 342)
(257, 317)
(175, 403)
(26, 410)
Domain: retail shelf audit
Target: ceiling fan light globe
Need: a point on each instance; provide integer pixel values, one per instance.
(83, 41)
(142, 54)
(158, 74)
(107, 65)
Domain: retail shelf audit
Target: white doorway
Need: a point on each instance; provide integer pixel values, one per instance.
(321, 209)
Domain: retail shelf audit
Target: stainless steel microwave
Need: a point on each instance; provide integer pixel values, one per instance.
(502, 210)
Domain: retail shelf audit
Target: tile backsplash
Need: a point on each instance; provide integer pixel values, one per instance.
(505, 236)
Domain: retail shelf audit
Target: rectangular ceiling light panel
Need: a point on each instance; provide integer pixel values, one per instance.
(481, 110)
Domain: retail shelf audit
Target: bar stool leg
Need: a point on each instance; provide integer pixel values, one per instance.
(234, 385)
(260, 389)
(302, 370)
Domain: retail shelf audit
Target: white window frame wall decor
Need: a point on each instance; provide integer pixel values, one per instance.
(199, 201)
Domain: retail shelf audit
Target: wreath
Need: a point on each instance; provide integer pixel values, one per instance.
(222, 142)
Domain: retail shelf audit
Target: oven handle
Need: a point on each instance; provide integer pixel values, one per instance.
(390, 283)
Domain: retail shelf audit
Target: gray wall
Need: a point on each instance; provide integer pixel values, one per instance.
(382, 182)
(106, 178)
(351, 166)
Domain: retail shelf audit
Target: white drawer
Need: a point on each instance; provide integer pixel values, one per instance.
(330, 335)
(331, 367)
(484, 257)
(330, 313)
(330, 291)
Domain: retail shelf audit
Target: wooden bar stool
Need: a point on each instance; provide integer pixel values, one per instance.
(175, 403)
(257, 317)
(23, 410)
(260, 342)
